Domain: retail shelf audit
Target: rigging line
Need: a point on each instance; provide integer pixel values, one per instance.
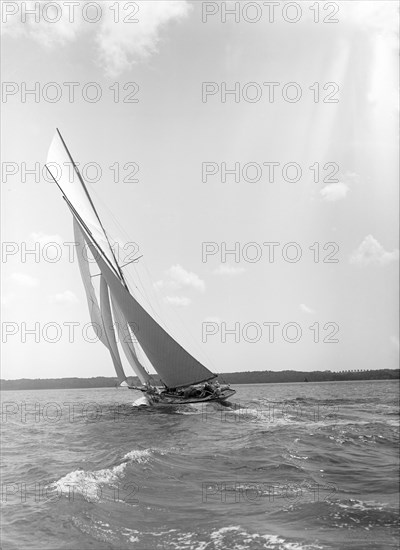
(91, 202)
(172, 326)
(82, 223)
(191, 336)
(124, 234)
(133, 342)
(132, 261)
(182, 324)
(155, 295)
(142, 290)
(145, 295)
(149, 302)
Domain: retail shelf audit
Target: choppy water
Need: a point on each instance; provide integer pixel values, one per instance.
(287, 466)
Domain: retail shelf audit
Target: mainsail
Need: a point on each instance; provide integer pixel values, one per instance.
(172, 362)
(176, 367)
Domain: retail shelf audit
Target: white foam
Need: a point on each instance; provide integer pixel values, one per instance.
(139, 456)
(142, 401)
(354, 504)
(243, 538)
(88, 483)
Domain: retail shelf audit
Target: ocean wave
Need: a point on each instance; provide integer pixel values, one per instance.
(234, 537)
(89, 483)
(369, 505)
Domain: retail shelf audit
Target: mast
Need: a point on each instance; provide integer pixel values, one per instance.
(173, 363)
(93, 206)
(81, 222)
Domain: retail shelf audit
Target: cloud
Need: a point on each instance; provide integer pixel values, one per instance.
(48, 23)
(167, 285)
(179, 278)
(120, 41)
(24, 280)
(122, 44)
(371, 252)
(226, 269)
(66, 297)
(334, 191)
(181, 301)
(307, 309)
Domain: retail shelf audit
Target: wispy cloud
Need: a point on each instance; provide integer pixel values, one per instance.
(337, 191)
(371, 252)
(307, 309)
(226, 269)
(178, 278)
(123, 44)
(334, 191)
(121, 41)
(23, 279)
(180, 301)
(52, 26)
(67, 297)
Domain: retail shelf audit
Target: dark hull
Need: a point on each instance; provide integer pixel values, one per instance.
(168, 399)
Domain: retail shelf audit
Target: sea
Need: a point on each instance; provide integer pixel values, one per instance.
(281, 466)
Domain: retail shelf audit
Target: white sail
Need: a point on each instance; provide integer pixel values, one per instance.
(64, 172)
(100, 318)
(127, 345)
(175, 366)
(172, 362)
(109, 329)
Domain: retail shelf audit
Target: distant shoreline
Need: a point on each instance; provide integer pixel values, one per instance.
(250, 377)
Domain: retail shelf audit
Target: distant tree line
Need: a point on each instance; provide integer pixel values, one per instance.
(251, 377)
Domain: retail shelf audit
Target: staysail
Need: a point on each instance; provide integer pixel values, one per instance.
(124, 336)
(101, 317)
(109, 329)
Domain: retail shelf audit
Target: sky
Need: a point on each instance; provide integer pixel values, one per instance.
(196, 166)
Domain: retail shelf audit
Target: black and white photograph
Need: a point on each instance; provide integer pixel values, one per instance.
(199, 275)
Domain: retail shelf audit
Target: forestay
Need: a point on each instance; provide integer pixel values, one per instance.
(65, 173)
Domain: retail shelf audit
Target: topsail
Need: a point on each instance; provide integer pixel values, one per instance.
(65, 173)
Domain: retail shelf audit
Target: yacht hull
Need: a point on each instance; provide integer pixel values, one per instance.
(170, 399)
(173, 400)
